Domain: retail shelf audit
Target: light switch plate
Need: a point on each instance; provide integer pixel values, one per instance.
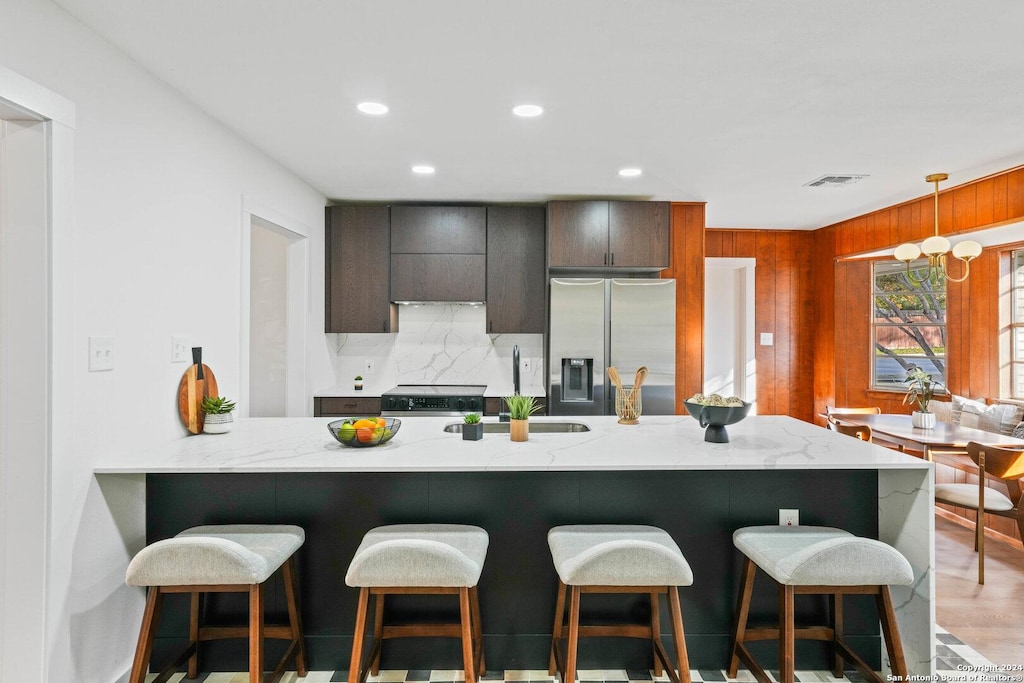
(180, 352)
(101, 354)
(767, 339)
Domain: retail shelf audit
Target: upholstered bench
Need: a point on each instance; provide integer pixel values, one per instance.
(220, 559)
(425, 559)
(817, 560)
(612, 558)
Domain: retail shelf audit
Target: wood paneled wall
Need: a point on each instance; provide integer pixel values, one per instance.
(784, 305)
(688, 270)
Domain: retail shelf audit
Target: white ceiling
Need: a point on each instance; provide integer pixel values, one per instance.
(737, 103)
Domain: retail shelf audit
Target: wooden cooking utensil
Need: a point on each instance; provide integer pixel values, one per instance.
(641, 375)
(613, 375)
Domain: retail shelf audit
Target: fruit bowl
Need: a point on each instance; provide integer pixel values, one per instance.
(715, 418)
(363, 432)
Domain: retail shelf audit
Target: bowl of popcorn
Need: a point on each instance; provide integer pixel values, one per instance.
(715, 412)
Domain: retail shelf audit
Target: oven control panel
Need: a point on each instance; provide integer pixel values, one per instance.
(472, 404)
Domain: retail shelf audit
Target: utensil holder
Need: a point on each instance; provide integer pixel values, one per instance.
(628, 406)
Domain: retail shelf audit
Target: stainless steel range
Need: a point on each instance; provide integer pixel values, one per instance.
(432, 400)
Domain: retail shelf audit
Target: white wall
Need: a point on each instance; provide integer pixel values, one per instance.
(158, 189)
(729, 365)
(268, 318)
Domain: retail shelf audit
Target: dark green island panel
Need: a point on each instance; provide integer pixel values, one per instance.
(700, 509)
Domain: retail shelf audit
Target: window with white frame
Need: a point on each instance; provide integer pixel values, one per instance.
(909, 324)
(1017, 326)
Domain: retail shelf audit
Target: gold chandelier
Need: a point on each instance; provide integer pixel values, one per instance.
(936, 247)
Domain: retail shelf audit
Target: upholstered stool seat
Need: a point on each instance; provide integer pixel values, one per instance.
(818, 560)
(425, 559)
(616, 558)
(220, 559)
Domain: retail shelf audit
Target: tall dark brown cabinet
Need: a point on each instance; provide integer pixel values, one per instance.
(516, 279)
(358, 267)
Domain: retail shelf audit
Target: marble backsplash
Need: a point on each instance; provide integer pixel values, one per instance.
(436, 344)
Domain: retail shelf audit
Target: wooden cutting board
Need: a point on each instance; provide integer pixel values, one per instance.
(191, 392)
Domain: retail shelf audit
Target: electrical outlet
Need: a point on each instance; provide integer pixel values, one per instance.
(179, 349)
(526, 366)
(101, 354)
(368, 367)
(789, 517)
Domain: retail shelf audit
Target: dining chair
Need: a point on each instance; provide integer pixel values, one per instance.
(862, 432)
(1003, 464)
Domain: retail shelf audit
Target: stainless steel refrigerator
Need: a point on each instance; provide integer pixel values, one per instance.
(625, 323)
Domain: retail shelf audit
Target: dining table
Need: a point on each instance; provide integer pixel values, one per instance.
(944, 437)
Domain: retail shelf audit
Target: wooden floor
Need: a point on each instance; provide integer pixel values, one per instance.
(989, 618)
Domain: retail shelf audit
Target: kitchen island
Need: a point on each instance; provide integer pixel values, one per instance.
(659, 472)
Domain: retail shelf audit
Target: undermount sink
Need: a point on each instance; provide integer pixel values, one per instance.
(535, 427)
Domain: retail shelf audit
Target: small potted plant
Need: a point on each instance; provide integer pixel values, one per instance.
(472, 428)
(359, 382)
(217, 411)
(920, 391)
(520, 408)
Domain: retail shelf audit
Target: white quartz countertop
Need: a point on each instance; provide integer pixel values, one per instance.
(668, 442)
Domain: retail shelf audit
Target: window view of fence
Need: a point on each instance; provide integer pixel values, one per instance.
(909, 324)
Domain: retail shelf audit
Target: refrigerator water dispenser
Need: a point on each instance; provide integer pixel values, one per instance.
(577, 379)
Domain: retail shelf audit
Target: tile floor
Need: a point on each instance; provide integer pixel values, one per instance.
(949, 650)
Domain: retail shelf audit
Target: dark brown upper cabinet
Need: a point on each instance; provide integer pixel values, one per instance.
(516, 279)
(609, 234)
(438, 253)
(358, 261)
(438, 230)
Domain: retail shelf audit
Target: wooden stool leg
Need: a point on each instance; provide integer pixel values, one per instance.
(478, 629)
(556, 630)
(837, 634)
(787, 639)
(466, 617)
(378, 632)
(742, 611)
(891, 633)
(676, 612)
(193, 633)
(355, 663)
(256, 604)
(144, 648)
(291, 590)
(574, 635)
(655, 633)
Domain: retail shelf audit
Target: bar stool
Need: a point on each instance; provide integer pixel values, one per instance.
(616, 558)
(422, 559)
(817, 560)
(232, 558)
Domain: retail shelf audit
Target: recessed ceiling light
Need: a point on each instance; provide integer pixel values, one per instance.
(372, 108)
(423, 169)
(630, 172)
(528, 110)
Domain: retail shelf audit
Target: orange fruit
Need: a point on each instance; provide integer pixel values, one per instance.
(381, 422)
(364, 423)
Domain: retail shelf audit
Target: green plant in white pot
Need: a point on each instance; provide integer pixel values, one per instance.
(217, 414)
(520, 408)
(920, 391)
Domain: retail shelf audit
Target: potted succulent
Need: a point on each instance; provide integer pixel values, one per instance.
(520, 408)
(359, 382)
(472, 428)
(217, 411)
(920, 391)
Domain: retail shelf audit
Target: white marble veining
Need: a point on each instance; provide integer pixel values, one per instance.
(435, 344)
(658, 442)
(905, 484)
(493, 390)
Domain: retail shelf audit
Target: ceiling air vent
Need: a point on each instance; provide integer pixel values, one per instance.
(835, 180)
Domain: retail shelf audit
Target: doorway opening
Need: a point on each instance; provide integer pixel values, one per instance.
(729, 365)
(274, 368)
